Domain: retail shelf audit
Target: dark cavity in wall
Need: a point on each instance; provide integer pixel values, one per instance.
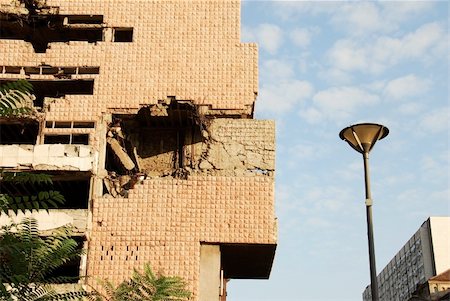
(73, 186)
(18, 131)
(123, 35)
(69, 272)
(159, 139)
(58, 88)
(42, 29)
(66, 139)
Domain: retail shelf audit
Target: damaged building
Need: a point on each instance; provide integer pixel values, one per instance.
(143, 113)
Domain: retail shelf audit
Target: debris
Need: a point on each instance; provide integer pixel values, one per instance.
(121, 153)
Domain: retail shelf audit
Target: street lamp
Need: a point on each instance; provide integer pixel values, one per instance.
(362, 137)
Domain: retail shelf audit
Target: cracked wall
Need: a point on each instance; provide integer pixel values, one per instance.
(238, 146)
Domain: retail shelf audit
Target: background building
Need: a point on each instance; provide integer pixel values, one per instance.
(436, 288)
(426, 254)
(144, 115)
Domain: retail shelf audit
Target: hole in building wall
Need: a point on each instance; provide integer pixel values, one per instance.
(18, 131)
(58, 88)
(42, 29)
(123, 35)
(58, 72)
(157, 139)
(72, 185)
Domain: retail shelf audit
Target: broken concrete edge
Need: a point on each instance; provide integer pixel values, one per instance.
(73, 221)
(250, 161)
(24, 9)
(119, 151)
(22, 118)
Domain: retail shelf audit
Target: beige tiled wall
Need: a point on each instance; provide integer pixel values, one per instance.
(187, 49)
(164, 220)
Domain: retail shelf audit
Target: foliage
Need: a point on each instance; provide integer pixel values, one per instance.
(146, 286)
(41, 199)
(16, 98)
(26, 258)
(27, 261)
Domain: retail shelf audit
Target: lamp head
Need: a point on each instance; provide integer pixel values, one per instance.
(363, 136)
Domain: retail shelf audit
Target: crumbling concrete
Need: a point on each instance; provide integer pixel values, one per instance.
(222, 146)
(47, 157)
(120, 153)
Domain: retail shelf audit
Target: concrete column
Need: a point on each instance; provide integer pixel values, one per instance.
(209, 273)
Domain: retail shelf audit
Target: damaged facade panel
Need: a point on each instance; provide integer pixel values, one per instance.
(239, 146)
(47, 157)
(155, 139)
(164, 140)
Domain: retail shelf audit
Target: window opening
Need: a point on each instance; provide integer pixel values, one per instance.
(63, 124)
(69, 272)
(18, 132)
(12, 69)
(66, 139)
(56, 139)
(123, 34)
(73, 186)
(88, 70)
(83, 125)
(58, 88)
(59, 72)
(70, 124)
(80, 139)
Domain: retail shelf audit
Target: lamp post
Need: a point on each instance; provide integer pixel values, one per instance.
(362, 137)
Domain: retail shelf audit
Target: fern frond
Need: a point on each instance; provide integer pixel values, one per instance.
(26, 177)
(16, 98)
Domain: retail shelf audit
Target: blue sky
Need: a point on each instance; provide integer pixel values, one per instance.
(322, 67)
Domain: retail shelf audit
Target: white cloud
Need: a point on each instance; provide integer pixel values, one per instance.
(280, 97)
(311, 115)
(356, 18)
(406, 87)
(424, 39)
(336, 76)
(293, 10)
(411, 108)
(301, 37)
(305, 151)
(400, 11)
(427, 43)
(360, 18)
(270, 37)
(276, 70)
(436, 120)
(339, 103)
(348, 55)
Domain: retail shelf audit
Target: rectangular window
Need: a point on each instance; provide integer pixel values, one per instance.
(123, 34)
(66, 139)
